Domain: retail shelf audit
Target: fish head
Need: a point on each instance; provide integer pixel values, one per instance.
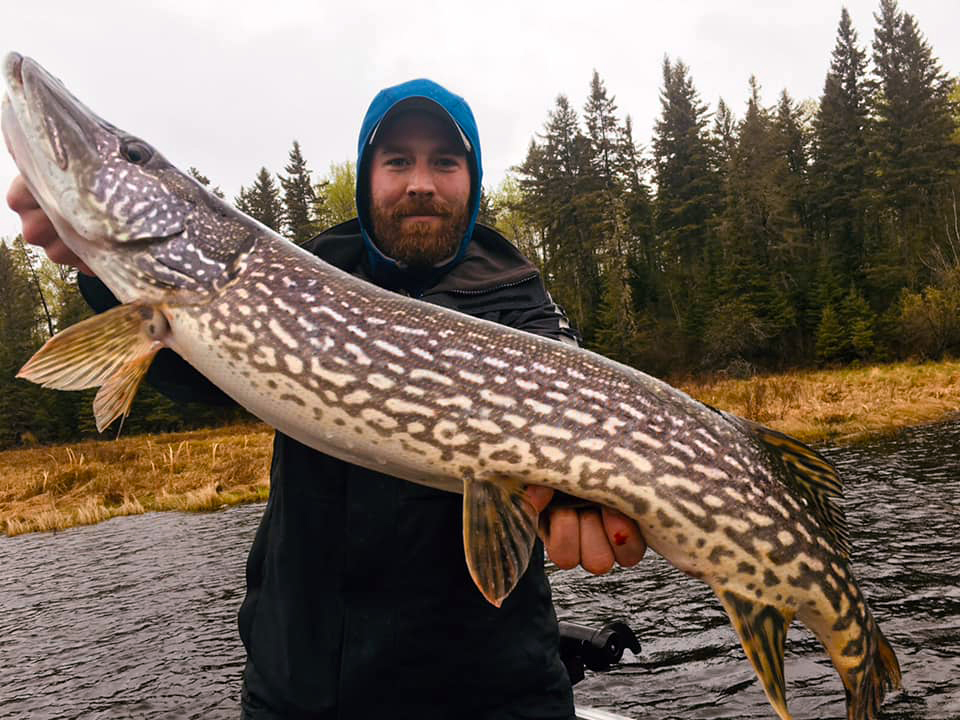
(146, 229)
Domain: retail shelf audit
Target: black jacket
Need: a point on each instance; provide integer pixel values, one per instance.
(358, 594)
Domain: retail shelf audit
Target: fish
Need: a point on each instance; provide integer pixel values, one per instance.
(436, 397)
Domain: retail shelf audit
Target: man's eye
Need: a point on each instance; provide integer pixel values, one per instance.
(396, 162)
(448, 162)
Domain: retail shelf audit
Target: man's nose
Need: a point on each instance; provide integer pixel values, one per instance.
(421, 180)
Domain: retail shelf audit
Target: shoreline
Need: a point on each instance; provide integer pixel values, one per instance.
(49, 488)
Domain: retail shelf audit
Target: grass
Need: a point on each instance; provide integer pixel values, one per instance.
(51, 488)
(841, 405)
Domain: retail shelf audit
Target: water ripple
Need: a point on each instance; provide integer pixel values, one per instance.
(136, 617)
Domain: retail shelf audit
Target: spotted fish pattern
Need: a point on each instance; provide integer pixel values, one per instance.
(436, 397)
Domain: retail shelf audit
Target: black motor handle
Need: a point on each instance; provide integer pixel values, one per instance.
(585, 647)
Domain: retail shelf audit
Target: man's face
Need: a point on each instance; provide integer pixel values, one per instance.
(419, 189)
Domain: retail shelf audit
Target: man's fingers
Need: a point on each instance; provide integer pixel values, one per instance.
(539, 496)
(624, 537)
(596, 555)
(563, 539)
(19, 197)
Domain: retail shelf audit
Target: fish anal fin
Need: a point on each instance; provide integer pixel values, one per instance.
(762, 629)
(499, 531)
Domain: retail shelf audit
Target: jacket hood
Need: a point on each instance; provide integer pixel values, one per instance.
(423, 92)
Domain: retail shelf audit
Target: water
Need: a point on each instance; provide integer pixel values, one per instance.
(136, 617)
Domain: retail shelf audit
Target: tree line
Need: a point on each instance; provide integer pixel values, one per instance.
(800, 233)
(796, 234)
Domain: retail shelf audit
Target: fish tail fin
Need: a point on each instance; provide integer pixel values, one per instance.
(861, 655)
(867, 682)
(762, 629)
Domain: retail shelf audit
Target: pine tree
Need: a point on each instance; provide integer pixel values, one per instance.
(262, 201)
(299, 199)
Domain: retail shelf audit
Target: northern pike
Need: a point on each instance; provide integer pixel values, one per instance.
(436, 397)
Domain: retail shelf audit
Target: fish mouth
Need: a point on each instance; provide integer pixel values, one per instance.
(13, 69)
(47, 111)
(51, 139)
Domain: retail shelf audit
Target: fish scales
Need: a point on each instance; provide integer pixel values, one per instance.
(434, 396)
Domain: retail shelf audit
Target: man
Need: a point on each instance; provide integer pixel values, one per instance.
(359, 603)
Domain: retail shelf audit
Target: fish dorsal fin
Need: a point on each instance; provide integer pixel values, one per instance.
(499, 530)
(811, 476)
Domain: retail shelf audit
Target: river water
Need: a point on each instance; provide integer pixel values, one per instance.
(136, 617)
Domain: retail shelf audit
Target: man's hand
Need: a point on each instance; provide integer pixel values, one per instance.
(592, 537)
(37, 228)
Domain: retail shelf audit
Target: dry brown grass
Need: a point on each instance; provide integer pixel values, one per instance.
(840, 405)
(51, 488)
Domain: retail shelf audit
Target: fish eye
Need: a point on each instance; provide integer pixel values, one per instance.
(136, 152)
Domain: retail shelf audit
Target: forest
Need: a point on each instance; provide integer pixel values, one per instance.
(821, 232)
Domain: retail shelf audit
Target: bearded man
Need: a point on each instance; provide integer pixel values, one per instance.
(359, 603)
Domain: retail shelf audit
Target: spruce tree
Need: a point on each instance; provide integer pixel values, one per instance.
(21, 409)
(556, 182)
(913, 120)
(832, 340)
(262, 201)
(840, 155)
(299, 199)
(686, 199)
(681, 158)
(205, 181)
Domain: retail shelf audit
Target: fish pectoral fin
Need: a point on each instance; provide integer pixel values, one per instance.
(112, 350)
(116, 395)
(499, 531)
(762, 629)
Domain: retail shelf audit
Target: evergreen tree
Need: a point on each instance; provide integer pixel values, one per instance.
(913, 119)
(832, 341)
(299, 198)
(684, 205)
(488, 213)
(556, 181)
(603, 133)
(681, 157)
(840, 154)
(20, 407)
(205, 181)
(262, 201)
(914, 158)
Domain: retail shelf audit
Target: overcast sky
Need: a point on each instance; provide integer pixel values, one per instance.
(227, 86)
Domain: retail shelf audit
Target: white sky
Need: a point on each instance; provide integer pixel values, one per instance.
(227, 86)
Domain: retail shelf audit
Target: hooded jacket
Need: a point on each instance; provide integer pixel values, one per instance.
(359, 603)
(424, 95)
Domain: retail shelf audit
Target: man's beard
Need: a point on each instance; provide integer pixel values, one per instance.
(419, 245)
